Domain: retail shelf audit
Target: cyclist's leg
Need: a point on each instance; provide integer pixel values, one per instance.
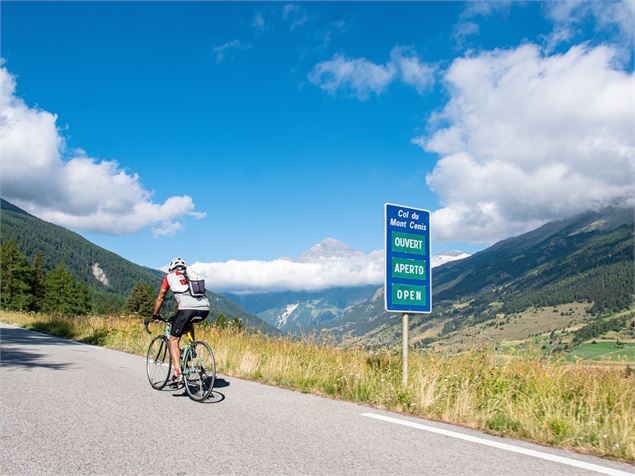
(179, 324)
(197, 316)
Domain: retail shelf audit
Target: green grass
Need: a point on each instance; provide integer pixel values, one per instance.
(530, 396)
(604, 351)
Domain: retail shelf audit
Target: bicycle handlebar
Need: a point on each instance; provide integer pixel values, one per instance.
(152, 319)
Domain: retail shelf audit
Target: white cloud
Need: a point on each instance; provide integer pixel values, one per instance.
(294, 15)
(328, 264)
(528, 137)
(39, 174)
(363, 77)
(413, 71)
(167, 229)
(568, 17)
(465, 27)
(463, 30)
(284, 274)
(222, 51)
(259, 23)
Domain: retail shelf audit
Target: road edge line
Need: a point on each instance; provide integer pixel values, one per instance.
(502, 446)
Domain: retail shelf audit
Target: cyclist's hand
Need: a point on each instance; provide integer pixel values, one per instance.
(146, 321)
(156, 318)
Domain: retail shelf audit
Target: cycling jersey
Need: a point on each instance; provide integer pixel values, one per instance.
(177, 283)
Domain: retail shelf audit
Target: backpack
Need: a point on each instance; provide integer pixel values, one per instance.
(196, 286)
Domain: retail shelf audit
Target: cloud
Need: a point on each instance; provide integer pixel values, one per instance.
(294, 15)
(167, 229)
(568, 17)
(315, 270)
(284, 274)
(67, 187)
(462, 31)
(222, 51)
(331, 30)
(527, 137)
(466, 28)
(259, 23)
(363, 77)
(412, 70)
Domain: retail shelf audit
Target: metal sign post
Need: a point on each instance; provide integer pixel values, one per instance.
(404, 373)
(408, 285)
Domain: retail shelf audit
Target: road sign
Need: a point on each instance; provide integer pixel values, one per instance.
(408, 278)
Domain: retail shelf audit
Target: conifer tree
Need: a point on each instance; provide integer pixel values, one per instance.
(83, 299)
(140, 300)
(64, 295)
(16, 278)
(39, 284)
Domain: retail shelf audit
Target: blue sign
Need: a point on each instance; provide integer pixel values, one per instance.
(408, 286)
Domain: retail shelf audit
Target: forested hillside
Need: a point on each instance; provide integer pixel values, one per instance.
(57, 244)
(109, 277)
(587, 259)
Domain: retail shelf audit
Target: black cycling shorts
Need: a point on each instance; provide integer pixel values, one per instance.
(184, 318)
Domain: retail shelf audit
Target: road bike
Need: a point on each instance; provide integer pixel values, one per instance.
(197, 363)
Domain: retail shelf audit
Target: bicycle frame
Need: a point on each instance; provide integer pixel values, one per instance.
(189, 338)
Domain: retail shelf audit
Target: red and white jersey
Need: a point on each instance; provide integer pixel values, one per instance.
(177, 283)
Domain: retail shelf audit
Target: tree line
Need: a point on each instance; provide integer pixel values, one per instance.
(26, 286)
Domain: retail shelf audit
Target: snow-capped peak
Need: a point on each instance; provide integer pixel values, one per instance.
(447, 256)
(328, 248)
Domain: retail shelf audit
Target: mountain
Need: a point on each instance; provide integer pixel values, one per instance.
(302, 312)
(110, 277)
(448, 256)
(586, 259)
(328, 248)
(299, 312)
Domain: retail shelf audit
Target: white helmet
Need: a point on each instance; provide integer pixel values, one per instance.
(176, 263)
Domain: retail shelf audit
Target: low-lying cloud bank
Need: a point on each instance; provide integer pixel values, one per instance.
(289, 275)
(67, 187)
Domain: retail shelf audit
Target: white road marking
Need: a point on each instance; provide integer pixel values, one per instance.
(502, 446)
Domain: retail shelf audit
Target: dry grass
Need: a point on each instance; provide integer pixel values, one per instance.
(590, 409)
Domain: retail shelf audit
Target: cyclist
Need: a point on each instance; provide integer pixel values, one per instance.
(191, 308)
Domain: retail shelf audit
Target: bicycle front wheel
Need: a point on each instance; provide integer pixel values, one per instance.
(199, 371)
(158, 362)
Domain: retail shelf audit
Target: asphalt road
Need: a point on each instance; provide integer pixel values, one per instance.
(75, 409)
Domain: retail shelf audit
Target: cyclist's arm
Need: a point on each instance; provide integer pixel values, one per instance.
(159, 301)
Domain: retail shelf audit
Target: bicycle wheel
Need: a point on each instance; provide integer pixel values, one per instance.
(200, 371)
(158, 362)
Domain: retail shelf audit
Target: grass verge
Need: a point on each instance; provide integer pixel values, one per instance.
(575, 406)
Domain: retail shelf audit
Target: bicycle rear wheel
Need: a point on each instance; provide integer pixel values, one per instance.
(158, 362)
(200, 371)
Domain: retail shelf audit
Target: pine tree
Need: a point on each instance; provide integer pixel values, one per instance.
(64, 295)
(16, 278)
(83, 299)
(39, 283)
(140, 300)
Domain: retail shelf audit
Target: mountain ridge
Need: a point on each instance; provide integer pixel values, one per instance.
(586, 258)
(110, 276)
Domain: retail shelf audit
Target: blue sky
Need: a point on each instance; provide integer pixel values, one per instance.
(286, 123)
